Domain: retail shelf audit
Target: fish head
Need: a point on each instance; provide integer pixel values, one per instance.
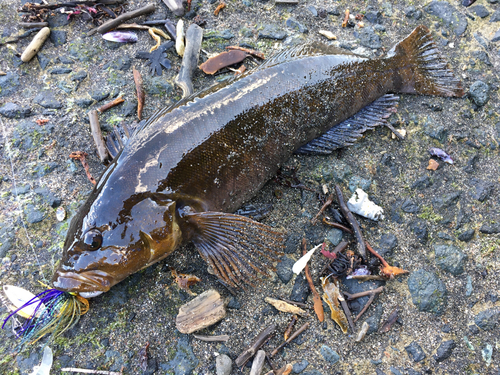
(108, 242)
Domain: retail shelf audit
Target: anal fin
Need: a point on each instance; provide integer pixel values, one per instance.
(348, 131)
(237, 248)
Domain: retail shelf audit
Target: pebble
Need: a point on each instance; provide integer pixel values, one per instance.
(223, 365)
(33, 215)
(58, 37)
(445, 350)
(368, 38)
(395, 371)
(487, 353)
(490, 228)
(410, 207)
(357, 182)
(184, 361)
(129, 108)
(99, 95)
(48, 196)
(8, 84)
(294, 24)
(422, 183)
(312, 10)
(468, 286)
(42, 60)
(447, 200)
(272, 32)
(355, 286)
(234, 304)
(298, 367)
(495, 17)
(300, 290)
(334, 236)
(450, 258)
(484, 189)
(480, 11)
(57, 19)
(451, 17)
(467, 235)
(12, 110)
(488, 319)
(415, 352)
(419, 228)
(47, 100)
(83, 102)
(329, 354)
(428, 292)
(79, 76)
(479, 93)
(284, 269)
(374, 320)
(373, 15)
(61, 70)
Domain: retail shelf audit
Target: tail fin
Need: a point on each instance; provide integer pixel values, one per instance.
(422, 68)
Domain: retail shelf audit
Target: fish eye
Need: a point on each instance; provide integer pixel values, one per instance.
(92, 239)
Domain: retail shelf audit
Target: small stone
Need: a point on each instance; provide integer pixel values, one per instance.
(374, 320)
(410, 207)
(357, 182)
(298, 367)
(467, 235)
(480, 11)
(428, 292)
(369, 39)
(446, 328)
(490, 228)
(395, 371)
(373, 15)
(223, 365)
(79, 76)
(422, 183)
(483, 189)
(313, 10)
(473, 329)
(48, 196)
(468, 287)
(284, 269)
(45, 169)
(438, 133)
(450, 16)
(495, 17)
(47, 100)
(334, 236)
(450, 258)
(482, 57)
(8, 84)
(488, 319)
(419, 228)
(12, 110)
(300, 290)
(446, 200)
(234, 304)
(272, 32)
(471, 163)
(329, 354)
(129, 108)
(61, 70)
(479, 93)
(415, 352)
(33, 215)
(83, 102)
(57, 19)
(487, 353)
(444, 351)
(58, 37)
(99, 95)
(294, 24)
(42, 60)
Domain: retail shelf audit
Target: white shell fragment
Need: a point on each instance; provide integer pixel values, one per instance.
(302, 262)
(327, 34)
(60, 213)
(362, 332)
(18, 297)
(361, 205)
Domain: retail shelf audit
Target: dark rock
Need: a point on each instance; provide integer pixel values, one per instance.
(329, 354)
(422, 183)
(334, 236)
(473, 329)
(49, 197)
(410, 11)
(487, 319)
(480, 11)
(99, 95)
(184, 361)
(83, 102)
(450, 258)
(374, 320)
(471, 163)
(373, 16)
(47, 100)
(26, 365)
(61, 70)
(57, 20)
(387, 243)
(495, 17)
(451, 17)
(8, 84)
(42, 60)
(129, 108)
(479, 93)
(42, 170)
(427, 291)
(379, 372)
(225, 34)
(490, 228)
(492, 297)
(12, 110)
(234, 304)
(395, 371)
(436, 132)
(312, 372)
(355, 286)
(190, 15)
(300, 290)
(334, 12)
(379, 28)
(33, 215)
(299, 366)
(356, 182)
(158, 86)
(122, 63)
(467, 235)
(410, 207)
(312, 10)
(294, 24)
(446, 200)
(419, 228)
(272, 32)
(444, 351)
(445, 236)
(21, 189)
(415, 352)
(79, 76)
(65, 60)
(483, 189)
(368, 38)
(58, 37)
(482, 57)
(284, 269)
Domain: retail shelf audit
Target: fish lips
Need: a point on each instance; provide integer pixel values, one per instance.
(87, 284)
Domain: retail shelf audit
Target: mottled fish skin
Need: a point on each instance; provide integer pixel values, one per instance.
(212, 152)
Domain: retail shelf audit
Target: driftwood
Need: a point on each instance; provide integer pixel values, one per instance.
(201, 312)
(35, 44)
(194, 37)
(111, 24)
(95, 128)
(259, 340)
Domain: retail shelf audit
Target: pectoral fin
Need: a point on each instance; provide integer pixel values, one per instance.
(237, 248)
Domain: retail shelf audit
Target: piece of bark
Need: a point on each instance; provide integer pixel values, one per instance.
(285, 307)
(95, 128)
(141, 95)
(201, 312)
(194, 37)
(175, 6)
(222, 60)
(258, 363)
(35, 44)
(259, 340)
(113, 23)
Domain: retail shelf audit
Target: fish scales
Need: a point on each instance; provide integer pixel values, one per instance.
(182, 172)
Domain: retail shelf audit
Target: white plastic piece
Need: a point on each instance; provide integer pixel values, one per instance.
(302, 262)
(18, 297)
(361, 205)
(46, 365)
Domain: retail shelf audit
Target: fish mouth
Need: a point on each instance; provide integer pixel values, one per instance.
(90, 283)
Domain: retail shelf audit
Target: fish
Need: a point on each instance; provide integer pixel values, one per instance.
(183, 173)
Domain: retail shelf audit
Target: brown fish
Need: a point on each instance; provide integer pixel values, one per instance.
(190, 164)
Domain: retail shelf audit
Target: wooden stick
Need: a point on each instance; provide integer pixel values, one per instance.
(350, 297)
(337, 225)
(194, 37)
(300, 304)
(111, 24)
(259, 340)
(347, 312)
(74, 4)
(352, 220)
(111, 104)
(328, 202)
(95, 128)
(141, 95)
(221, 338)
(291, 338)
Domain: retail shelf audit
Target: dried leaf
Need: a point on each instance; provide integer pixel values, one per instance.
(222, 60)
(433, 165)
(285, 307)
(331, 297)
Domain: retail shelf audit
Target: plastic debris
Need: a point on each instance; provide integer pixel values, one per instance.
(121, 36)
(46, 365)
(434, 151)
(361, 205)
(302, 262)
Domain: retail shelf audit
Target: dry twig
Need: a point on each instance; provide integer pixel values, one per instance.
(81, 155)
(318, 304)
(352, 220)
